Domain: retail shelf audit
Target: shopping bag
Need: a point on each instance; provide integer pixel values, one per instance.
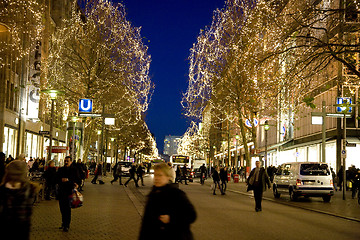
(76, 199)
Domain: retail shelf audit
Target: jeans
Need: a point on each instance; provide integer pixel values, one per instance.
(223, 186)
(217, 184)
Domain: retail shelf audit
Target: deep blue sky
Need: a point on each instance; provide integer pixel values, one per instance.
(171, 27)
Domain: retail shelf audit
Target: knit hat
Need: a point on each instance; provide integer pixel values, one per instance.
(16, 171)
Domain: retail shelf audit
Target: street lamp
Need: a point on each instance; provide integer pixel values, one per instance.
(224, 142)
(236, 156)
(53, 95)
(266, 127)
(73, 153)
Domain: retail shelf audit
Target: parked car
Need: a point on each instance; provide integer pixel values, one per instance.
(308, 179)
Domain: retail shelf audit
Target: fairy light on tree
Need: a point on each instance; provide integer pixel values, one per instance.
(24, 21)
(98, 54)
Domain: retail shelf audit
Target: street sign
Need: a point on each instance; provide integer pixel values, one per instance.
(85, 105)
(248, 123)
(44, 132)
(89, 115)
(58, 149)
(343, 153)
(340, 100)
(351, 144)
(338, 115)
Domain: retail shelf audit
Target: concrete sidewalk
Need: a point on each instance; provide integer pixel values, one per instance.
(348, 208)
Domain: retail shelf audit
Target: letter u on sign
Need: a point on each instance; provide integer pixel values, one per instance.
(85, 105)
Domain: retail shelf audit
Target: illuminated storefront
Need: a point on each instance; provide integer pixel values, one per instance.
(9, 144)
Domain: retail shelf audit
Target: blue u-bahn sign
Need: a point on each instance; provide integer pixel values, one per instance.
(341, 100)
(85, 105)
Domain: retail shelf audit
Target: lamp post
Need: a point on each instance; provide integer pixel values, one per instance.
(73, 153)
(53, 95)
(266, 127)
(236, 155)
(98, 146)
(224, 142)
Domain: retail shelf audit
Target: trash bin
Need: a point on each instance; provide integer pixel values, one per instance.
(236, 178)
(229, 177)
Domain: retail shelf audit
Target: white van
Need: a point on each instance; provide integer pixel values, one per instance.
(308, 179)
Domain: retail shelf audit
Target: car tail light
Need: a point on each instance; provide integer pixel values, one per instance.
(192, 173)
(298, 182)
(331, 183)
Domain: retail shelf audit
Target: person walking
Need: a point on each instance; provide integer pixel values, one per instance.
(178, 175)
(82, 170)
(50, 180)
(140, 174)
(168, 212)
(17, 195)
(257, 181)
(132, 172)
(216, 179)
(224, 179)
(67, 179)
(97, 173)
(333, 174)
(202, 171)
(117, 171)
(340, 178)
(184, 173)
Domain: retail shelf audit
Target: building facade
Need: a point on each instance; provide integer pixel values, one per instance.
(24, 114)
(171, 144)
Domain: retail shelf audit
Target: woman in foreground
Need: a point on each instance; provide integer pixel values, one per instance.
(168, 211)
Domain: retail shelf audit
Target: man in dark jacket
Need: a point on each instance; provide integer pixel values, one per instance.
(132, 172)
(257, 181)
(50, 179)
(67, 179)
(140, 173)
(203, 174)
(117, 171)
(224, 179)
(216, 179)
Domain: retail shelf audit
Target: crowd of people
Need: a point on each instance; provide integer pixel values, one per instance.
(61, 181)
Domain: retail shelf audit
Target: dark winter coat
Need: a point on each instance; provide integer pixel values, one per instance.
(167, 200)
(50, 176)
(15, 211)
(132, 171)
(99, 169)
(223, 175)
(215, 176)
(65, 188)
(140, 171)
(263, 180)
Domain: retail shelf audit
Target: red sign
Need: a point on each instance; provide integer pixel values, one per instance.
(58, 149)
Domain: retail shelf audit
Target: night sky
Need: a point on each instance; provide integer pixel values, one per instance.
(169, 28)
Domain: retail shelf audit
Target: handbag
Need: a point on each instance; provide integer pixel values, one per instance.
(76, 199)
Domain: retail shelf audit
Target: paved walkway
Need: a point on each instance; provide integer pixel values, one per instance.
(114, 211)
(108, 213)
